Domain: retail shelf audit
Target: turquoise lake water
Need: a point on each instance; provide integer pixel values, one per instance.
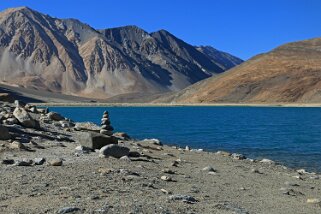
(291, 136)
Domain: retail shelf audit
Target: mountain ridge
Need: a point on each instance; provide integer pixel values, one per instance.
(290, 73)
(70, 57)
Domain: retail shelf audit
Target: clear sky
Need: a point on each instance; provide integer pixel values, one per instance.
(241, 27)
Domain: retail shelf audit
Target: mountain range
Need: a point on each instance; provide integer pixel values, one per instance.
(67, 56)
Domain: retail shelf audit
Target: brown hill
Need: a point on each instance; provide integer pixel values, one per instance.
(69, 57)
(288, 74)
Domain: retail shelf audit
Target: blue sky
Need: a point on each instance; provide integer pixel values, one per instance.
(241, 27)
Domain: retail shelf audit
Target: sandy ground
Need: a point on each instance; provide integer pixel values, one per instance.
(107, 185)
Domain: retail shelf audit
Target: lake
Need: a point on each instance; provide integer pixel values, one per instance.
(291, 136)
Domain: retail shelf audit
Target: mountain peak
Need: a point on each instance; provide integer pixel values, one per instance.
(15, 9)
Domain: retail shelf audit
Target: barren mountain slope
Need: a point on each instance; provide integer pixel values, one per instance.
(289, 73)
(67, 56)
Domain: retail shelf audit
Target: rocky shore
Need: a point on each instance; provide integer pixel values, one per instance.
(51, 164)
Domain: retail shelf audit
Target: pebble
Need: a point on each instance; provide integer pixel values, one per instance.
(313, 201)
(23, 162)
(166, 178)
(237, 156)
(175, 163)
(168, 171)
(17, 145)
(256, 171)
(68, 210)
(223, 153)
(39, 161)
(183, 198)
(8, 161)
(268, 161)
(55, 162)
(209, 169)
(165, 191)
(125, 158)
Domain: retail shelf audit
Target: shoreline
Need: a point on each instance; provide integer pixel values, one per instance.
(84, 104)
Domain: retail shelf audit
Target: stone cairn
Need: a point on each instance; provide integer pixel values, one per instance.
(106, 128)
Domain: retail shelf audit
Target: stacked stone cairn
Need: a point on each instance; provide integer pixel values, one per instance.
(106, 128)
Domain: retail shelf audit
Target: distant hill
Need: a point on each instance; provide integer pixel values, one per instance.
(69, 57)
(288, 74)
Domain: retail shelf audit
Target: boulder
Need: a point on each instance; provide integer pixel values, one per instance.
(94, 140)
(4, 133)
(24, 118)
(114, 150)
(55, 116)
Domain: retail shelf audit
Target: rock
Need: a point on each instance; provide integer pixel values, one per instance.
(183, 198)
(175, 163)
(255, 171)
(153, 141)
(6, 97)
(125, 158)
(17, 145)
(87, 126)
(165, 191)
(237, 156)
(33, 109)
(19, 104)
(24, 118)
(55, 116)
(105, 121)
(66, 124)
(209, 169)
(43, 110)
(168, 171)
(11, 121)
(82, 149)
(55, 162)
(268, 161)
(39, 161)
(302, 171)
(166, 178)
(7, 161)
(107, 127)
(187, 148)
(23, 162)
(122, 135)
(313, 201)
(134, 154)
(223, 153)
(106, 132)
(105, 171)
(68, 210)
(94, 140)
(4, 133)
(114, 150)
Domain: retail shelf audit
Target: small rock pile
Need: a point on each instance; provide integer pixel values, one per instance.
(106, 128)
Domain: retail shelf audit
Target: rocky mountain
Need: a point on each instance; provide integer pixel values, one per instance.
(66, 56)
(288, 74)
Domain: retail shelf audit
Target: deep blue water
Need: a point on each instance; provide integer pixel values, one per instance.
(291, 136)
